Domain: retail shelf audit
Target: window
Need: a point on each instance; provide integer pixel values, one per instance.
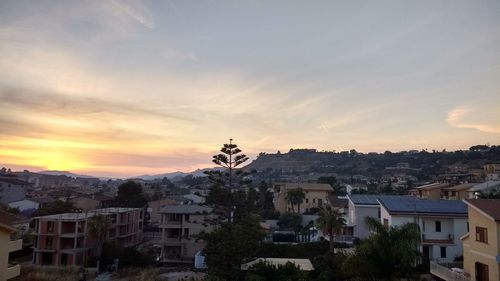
(386, 222)
(443, 252)
(314, 200)
(50, 226)
(481, 234)
(48, 242)
(307, 200)
(438, 226)
(423, 226)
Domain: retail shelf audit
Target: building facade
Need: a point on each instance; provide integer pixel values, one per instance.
(316, 196)
(441, 223)
(482, 242)
(180, 224)
(8, 245)
(12, 189)
(64, 239)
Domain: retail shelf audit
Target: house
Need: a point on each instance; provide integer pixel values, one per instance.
(7, 245)
(482, 242)
(302, 264)
(492, 171)
(180, 224)
(12, 189)
(25, 205)
(64, 239)
(361, 206)
(429, 191)
(456, 192)
(155, 206)
(91, 201)
(316, 196)
(441, 223)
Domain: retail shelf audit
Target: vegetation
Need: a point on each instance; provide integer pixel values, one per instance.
(291, 221)
(267, 272)
(57, 207)
(295, 197)
(98, 229)
(130, 195)
(337, 186)
(230, 245)
(330, 221)
(389, 253)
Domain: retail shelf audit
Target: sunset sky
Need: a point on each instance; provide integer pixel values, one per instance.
(124, 88)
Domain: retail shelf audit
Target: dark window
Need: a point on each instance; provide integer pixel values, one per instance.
(48, 243)
(50, 226)
(423, 226)
(386, 222)
(481, 234)
(443, 252)
(438, 226)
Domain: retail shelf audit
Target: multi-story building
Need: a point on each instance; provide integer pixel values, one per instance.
(456, 192)
(12, 189)
(64, 239)
(429, 191)
(180, 225)
(316, 196)
(482, 188)
(8, 245)
(482, 242)
(441, 223)
(492, 171)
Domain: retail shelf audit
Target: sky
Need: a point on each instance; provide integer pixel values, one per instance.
(124, 88)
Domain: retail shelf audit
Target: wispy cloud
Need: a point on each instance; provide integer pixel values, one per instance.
(484, 118)
(133, 10)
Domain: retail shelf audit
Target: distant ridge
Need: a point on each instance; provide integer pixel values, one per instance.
(173, 175)
(64, 173)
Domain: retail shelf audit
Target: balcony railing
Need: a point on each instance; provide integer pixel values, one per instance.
(446, 273)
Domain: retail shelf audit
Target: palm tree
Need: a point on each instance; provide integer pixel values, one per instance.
(98, 229)
(330, 221)
(389, 253)
(295, 196)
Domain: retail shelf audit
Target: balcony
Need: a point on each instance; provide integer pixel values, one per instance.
(15, 245)
(12, 271)
(446, 273)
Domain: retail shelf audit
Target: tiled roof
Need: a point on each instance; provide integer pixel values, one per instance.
(489, 206)
(424, 207)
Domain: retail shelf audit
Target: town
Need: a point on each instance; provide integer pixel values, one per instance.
(265, 219)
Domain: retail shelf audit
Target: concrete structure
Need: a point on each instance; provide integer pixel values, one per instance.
(429, 191)
(12, 189)
(179, 226)
(7, 245)
(316, 196)
(441, 222)
(302, 264)
(64, 239)
(456, 192)
(24, 205)
(482, 242)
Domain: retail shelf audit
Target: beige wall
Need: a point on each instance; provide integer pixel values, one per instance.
(475, 251)
(85, 203)
(310, 201)
(7, 246)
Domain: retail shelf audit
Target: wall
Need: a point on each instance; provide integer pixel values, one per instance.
(10, 193)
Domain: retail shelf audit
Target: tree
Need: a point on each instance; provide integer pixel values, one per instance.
(389, 253)
(337, 187)
(230, 245)
(223, 194)
(290, 221)
(98, 226)
(263, 271)
(330, 221)
(295, 197)
(230, 158)
(130, 195)
(57, 207)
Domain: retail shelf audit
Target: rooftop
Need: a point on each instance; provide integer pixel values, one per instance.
(485, 185)
(371, 199)
(460, 187)
(424, 207)
(185, 209)
(303, 264)
(432, 186)
(13, 180)
(490, 207)
(89, 214)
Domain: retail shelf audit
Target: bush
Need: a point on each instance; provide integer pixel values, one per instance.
(299, 251)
